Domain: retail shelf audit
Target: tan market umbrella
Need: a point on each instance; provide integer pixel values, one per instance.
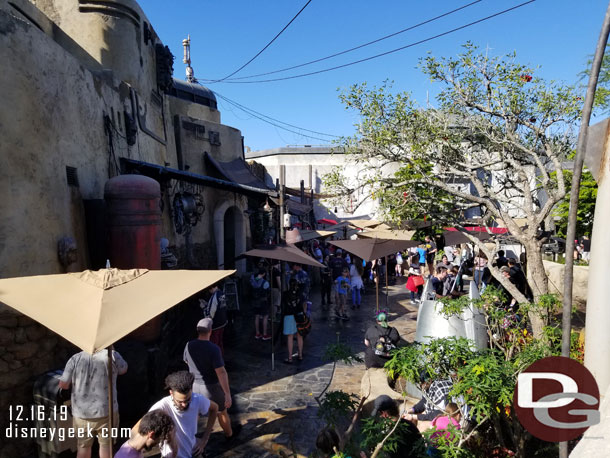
(281, 253)
(94, 309)
(457, 237)
(303, 235)
(387, 234)
(374, 248)
(286, 253)
(363, 223)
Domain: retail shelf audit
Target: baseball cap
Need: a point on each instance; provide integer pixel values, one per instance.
(383, 319)
(339, 251)
(204, 325)
(383, 403)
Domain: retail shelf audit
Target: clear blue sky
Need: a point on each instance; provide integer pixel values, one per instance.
(557, 35)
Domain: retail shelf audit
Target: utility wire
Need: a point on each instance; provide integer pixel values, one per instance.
(244, 108)
(470, 24)
(266, 46)
(256, 115)
(356, 47)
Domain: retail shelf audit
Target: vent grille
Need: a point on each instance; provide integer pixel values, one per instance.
(72, 176)
(214, 138)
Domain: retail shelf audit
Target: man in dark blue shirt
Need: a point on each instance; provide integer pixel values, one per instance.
(211, 380)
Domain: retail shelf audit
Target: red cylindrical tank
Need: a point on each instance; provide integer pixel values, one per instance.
(134, 231)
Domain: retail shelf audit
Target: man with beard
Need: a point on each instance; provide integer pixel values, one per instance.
(184, 407)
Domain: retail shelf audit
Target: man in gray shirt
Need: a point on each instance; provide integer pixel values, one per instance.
(87, 375)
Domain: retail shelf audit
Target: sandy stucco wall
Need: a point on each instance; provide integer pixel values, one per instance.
(581, 277)
(40, 137)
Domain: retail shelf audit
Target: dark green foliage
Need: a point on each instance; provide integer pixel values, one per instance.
(336, 406)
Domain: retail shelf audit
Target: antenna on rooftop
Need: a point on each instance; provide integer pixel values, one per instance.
(190, 73)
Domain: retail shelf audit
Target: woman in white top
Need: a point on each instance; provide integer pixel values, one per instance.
(355, 273)
(480, 264)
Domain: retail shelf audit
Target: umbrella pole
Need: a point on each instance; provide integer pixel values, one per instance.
(272, 315)
(387, 274)
(377, 286)
(110, 392)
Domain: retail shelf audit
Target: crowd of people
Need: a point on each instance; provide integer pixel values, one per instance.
(173, 422)
(203, 390)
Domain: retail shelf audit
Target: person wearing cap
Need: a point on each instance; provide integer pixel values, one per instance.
(511, 302)
(409, 439)
(205, 362)
(379, 339)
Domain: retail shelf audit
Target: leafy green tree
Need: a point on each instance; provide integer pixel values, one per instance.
(601, 103)
(484, 379)
(487, 148)
(586, 206)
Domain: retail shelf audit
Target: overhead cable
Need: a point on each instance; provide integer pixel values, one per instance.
(244, 108)
(266, 46)
(256, 115)
(410, 45)
(356, 47)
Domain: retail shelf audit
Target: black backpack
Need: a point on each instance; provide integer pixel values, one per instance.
(384, 344)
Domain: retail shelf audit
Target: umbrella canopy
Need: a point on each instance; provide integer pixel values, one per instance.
(363, 223)
(95, 309)
(453, 237)
(369, 249)
(282, 253)
(303, 235)
(327, 221)
(386, 234)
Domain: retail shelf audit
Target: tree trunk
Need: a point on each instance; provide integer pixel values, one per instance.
(538, 282)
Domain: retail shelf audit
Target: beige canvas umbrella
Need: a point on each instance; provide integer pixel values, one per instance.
(280, 253)
(363, 223)
(286, 253)
(457, 237)
(304, 235)
(387, 234)
(94, 309)
(374, 248)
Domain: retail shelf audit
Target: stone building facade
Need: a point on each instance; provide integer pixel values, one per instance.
(87, 94)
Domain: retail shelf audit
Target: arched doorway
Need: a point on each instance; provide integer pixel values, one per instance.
(229, 238)
(230, 235)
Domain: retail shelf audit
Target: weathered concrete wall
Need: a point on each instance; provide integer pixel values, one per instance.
(27, 349)
(112, 32)
(581, 279)
(72, 75)
(55, 120)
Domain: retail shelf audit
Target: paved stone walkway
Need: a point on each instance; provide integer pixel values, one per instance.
(278, 408)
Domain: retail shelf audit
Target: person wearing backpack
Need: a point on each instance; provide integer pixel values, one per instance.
(292, 305)
(379, 339)
(216, 309)
(260, 303)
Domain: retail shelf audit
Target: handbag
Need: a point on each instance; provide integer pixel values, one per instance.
(304, 328)
(418, 280)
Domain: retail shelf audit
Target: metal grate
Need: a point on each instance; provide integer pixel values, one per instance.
(71, 176)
